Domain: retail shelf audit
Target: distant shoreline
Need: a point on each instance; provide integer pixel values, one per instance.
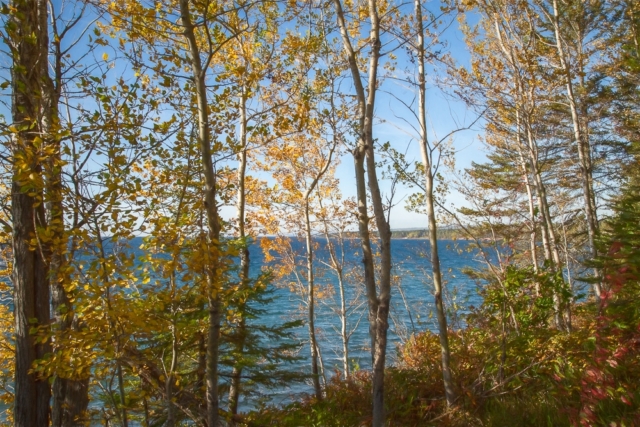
(321, 237)
(462, 239)
(425, 238)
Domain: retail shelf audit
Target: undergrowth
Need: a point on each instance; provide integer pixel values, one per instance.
(537, 377)
(511, 366)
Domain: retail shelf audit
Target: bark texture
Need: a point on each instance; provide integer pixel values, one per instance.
(28, 40)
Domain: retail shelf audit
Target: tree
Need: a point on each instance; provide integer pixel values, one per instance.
(213, 238)
(583, 21)
(429, 170)
(299, 165)
(365, 152)
(257, 55)
(27, 35)
(337, 219)
(199, 46)
(508, 76)
(70, 394)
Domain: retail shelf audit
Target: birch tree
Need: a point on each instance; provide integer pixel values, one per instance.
(366, 175)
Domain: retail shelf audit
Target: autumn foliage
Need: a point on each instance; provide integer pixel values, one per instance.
(169, 168)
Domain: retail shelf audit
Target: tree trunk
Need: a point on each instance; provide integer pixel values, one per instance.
(431, 213)
(213, 235)
(28, 39)
(548, 231)
(582, 144)
(70, 398)
(31, 301)
(236, 373)
(313, 344)
(378, 305)
(567, 263)
(337, 266)
(533, 239)
(170, 375)
(344, 333)
(69, 407)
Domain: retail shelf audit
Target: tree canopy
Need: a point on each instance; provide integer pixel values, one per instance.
(168, 166)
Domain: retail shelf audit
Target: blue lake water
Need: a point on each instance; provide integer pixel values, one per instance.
(412, 314)
(412, 308)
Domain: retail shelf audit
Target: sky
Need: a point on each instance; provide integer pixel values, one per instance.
(444, 115)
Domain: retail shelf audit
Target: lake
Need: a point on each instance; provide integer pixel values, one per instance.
(412, 307)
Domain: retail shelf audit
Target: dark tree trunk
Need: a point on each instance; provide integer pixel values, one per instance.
(31, 301)
(70, 407)
(31, 257)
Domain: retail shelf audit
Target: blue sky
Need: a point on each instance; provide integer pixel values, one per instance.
(445, 114)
